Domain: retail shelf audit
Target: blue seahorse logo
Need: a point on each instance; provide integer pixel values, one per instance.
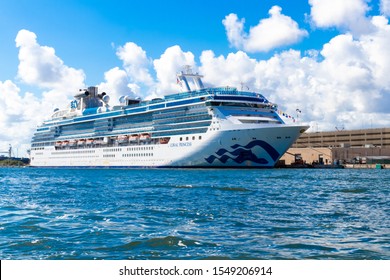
(242, 153)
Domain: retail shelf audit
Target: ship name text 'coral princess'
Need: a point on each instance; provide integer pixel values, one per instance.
(199, 127)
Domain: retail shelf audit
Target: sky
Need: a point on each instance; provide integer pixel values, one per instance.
(328, 58)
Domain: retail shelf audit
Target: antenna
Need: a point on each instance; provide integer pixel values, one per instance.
(187, 69)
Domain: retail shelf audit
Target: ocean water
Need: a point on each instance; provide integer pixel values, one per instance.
(194, 214)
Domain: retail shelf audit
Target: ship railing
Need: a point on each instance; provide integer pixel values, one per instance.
(234, 91)
(213, 91)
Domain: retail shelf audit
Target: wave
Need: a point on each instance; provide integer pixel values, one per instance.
(162, 243)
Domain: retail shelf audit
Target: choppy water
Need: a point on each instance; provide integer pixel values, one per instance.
(194, 214)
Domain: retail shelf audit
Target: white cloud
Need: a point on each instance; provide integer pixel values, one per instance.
(346, 83)
(385, 7)
(117, 84)
(136, 63)
(19, 115)
(138, 70)
(168, 65)
(347, 15)
(39, 65)
(234, 30)
(276, 31)
(234, 70)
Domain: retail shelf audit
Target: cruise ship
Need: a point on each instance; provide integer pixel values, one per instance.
(198, 127)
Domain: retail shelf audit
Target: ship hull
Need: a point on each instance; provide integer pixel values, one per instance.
(231, 148)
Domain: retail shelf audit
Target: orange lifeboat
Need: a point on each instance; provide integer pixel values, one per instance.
(164, 140)
(123, 139)
(144, 137)
(65, 143)
(72, 143)
(133, 138)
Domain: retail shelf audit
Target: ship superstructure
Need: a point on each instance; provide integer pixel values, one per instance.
(200, 127)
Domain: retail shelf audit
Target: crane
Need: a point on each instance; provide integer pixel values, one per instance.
(9, 152)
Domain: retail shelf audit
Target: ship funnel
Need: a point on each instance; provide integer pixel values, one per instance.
(101, 95)
(85, 93)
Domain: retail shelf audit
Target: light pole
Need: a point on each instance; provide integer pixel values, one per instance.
(298, 112)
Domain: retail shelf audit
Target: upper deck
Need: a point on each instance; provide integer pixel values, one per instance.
(191, 110)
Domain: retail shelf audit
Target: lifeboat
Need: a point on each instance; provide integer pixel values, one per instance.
(72, 143)
(81, 142)
(164, 140)
(65, 143)
(133, 138)
(123, 139)
(144, 137)
(58, 144)
(99, 142)
(90, 142)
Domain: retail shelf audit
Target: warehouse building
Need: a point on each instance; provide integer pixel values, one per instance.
(345, 146)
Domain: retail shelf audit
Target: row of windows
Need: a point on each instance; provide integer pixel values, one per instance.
(188, 138)
(177, 132)
(74, 152)
(182, 126)
(73, 157)
(42, 145)
(185, 117)
(138, 155)
(146, 148)
(112, 150)
(108, 156)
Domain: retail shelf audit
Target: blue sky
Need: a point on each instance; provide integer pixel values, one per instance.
(83, 32)
(329, 58)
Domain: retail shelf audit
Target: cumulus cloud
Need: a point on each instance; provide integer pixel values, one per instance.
(276, 31)
(19, 115)
(117, 84)
(347, 15)
(136, 63)
(138, 68)
(385, 7)
(236, 69)
(168, 65)
(344, 83)
(39, 65)
(234, 30)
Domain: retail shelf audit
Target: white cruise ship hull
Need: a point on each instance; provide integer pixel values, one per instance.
(249, 146)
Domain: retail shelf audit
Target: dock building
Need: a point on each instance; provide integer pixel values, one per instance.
(344, 146)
